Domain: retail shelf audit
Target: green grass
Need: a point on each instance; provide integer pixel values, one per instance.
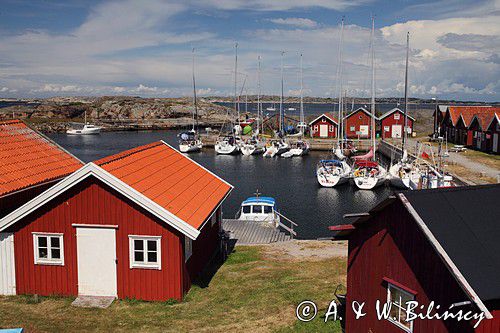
(249, 293)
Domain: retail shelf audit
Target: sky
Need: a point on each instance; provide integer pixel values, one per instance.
(144, 48)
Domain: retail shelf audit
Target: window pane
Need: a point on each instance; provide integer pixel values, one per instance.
(152, 257)
(56, 253)
(138, 244)
(257, 209)
(246, 209)
(42, 252)
(139, 256)
(268, 209)
(54, 242)
(42, 241)
(151, 245)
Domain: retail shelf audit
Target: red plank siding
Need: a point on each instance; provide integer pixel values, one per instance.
(93, 203)
(353, 123)
(391, 120)
(391, 245)
(315, 127)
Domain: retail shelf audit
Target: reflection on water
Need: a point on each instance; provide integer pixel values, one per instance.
(291, 181)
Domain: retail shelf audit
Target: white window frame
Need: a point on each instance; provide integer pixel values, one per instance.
(49, 260)
(387, 128)
(331, 128)
(144, 264)
(401, 308)
(397, 116)
(352, 128)
(188, 248)
(316, 128)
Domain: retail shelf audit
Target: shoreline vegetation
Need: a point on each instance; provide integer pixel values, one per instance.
(256, 290)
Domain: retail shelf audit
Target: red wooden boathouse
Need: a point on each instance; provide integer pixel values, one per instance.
(392, 123)
(430, 245)
(358, 124)
(29, 164)
(324, 126)
(140, 224)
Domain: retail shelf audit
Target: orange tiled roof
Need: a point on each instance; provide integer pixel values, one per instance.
(170, 179)
(484, 118)
(468, 113)
(27, 158)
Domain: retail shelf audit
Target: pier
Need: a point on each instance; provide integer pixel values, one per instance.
(250, 233)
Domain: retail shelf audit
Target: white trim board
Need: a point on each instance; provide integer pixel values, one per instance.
(391, 111)
(323, 115)
(445, 257)
(90, 169)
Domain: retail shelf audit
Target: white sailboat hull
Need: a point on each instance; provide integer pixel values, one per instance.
(248, 150)
(330, 179)
(190, 147)
(226, 149)
(270, 151)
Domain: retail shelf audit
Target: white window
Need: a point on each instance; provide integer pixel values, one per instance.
(396, 116)
(352, 128)
(315, 128)
(49, 249)
(145, 251)
(386, 128)
(331, 128)
(188, 248)
(398, 299)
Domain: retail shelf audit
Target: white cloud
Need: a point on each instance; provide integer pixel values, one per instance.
(295, 21)
(145, 89)
(281, 5)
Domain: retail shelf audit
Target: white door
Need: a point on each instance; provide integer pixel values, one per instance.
(7, 265)
(363, 129)
(96, 253)
(495, 142)
(396, 131)
(323, 131)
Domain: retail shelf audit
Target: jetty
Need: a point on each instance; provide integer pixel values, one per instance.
(251, 233)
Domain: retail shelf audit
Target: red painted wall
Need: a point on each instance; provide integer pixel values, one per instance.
(356, 120)
(332, 132)
(390, 120)
(94, 203)
(391, 245)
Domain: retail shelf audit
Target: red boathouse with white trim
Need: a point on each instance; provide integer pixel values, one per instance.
(141, 224)
(324, 126)
(392, 123)
(358, 124)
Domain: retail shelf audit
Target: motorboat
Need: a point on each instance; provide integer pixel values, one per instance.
(298, 148)
(189, 142)
(227, 145)
(253, 146)
(259, 209)
(276, 148)
(86, 129)
(331, 173)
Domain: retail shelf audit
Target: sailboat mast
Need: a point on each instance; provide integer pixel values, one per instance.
(406, 89)
(195, 112)
(236, 97)
(259, 106)
(340, 124)
(301, 94)
(281, 97)
(373, 87)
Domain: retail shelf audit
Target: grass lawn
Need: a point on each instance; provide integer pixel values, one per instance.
(254, 291)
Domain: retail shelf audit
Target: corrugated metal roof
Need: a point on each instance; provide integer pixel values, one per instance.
(28, 158)
(170, 179)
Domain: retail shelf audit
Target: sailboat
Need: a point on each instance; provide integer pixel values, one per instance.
(404, 174)
(254, 145)
(368, 174)
(87, 129)
(189, 141)
(279, 145)
(230, 143)
(330, 173)
(300, 147)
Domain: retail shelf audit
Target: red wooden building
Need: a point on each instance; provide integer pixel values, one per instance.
(358, 124)
(29, 164)
(493, 128)
(324, 126)
(140, 224)
(392, 123)
(426, 246)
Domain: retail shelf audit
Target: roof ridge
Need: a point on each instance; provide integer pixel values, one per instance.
(126, 153)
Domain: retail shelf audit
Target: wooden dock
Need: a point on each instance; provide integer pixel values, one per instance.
(247, 233)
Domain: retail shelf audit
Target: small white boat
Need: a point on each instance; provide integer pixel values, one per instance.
(259, 209)
(253, 146)
(331, 173)
(87, 129)
(291, 109)
(189, 142)
(299, 148)
(276, 147)
(368, 175)
(227, 145)
(271, 109)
